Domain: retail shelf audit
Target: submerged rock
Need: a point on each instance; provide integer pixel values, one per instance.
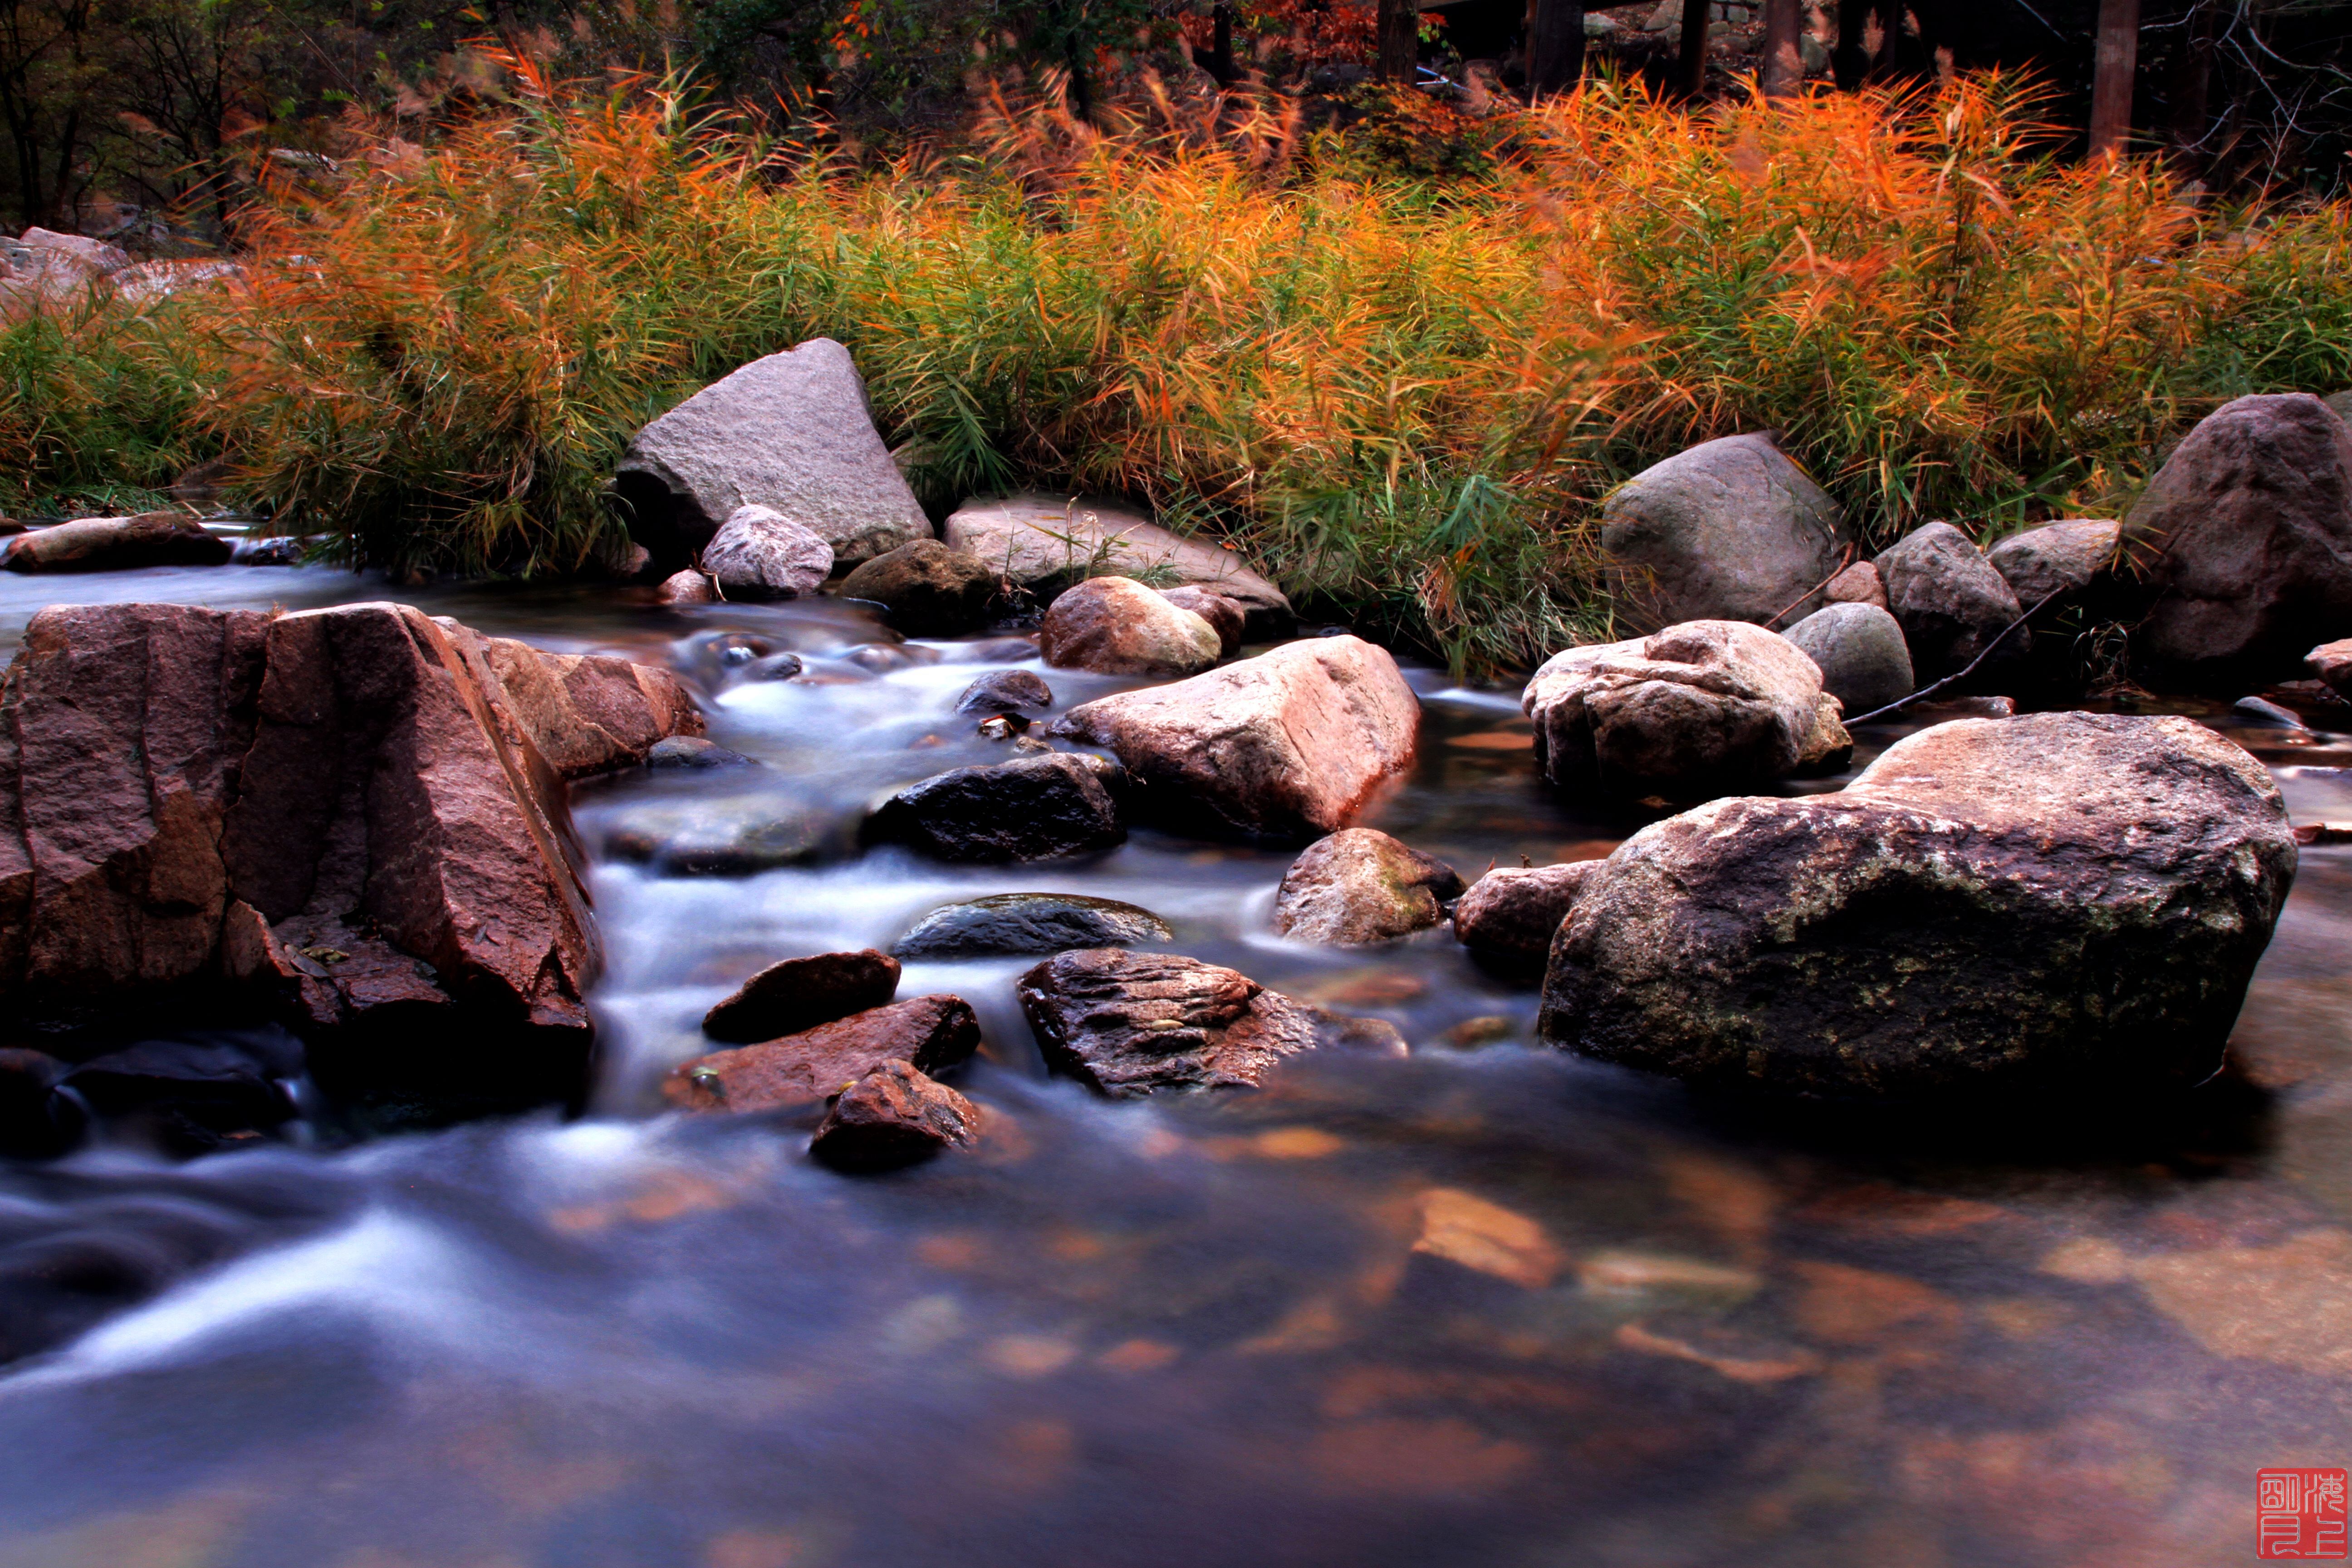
(1116, 625)
(1127, 1024)
(713, 838)
(932, 1033)
(1006, 691)
(589, 713)
(1016, 923)
(1031, 808)
(1952, 605)
(928, 589)
(2056, 903)
(1511, 914)
(1730, 529)
(29, 1127)
(2250, 521)
(1860, 651)
(791, 432)
(799, 994)
(1360, 886)
(1287, 745)
(895, 1116)
(117, 544)
(694, 751)
(1696, 710)
(1044, 542)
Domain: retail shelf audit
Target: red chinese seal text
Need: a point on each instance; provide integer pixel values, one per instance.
(2299, 1515)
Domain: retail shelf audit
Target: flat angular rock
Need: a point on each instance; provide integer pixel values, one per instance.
(927, 589)
(1006, 691)
(2054, 903)
(793, 432)
(931, 1033)
(1042, 543)
(1357, 886)
(1020, 924)
(589, 713)
(1951, 603)
(1730, 529)
(93, 257)
(799, 994)
(117, 544)
(761, 553)
(1287, 745)
(1116, 625)
(1860, 651)
(1700, 708)
(2250, 523)
(1512, 913)
(1127, 1024)
(1031, 808)
(896, 1116)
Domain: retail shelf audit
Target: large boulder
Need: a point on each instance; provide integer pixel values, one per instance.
(1951, 603)
(1730, 529)
(1031, 808)
(1510, 914)
(90, 258)
(1288, 745)
(1127, 1024)
(793, 432)
(761, 553)
(926, 588)
(1116, 625)
(1044, 542)
(1860, 651)
(2056, 903)
(1700, 708)
(2250, 525)
(1005, 923)
(117, 544)
(342, 808)
(1358, 887)
(931, 1033)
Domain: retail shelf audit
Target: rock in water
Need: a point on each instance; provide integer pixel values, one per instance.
(1358, 887)
(799, 994)
(1006, 691)
(740, 837)
(1127, 1024)
(761, 553)
(117, 544)
(1859, 649)
(2251, 524)
(1511, 914)
(1696, 710)
(1951, 603)
(932, 1033)
(2056, 903)
(686, 587)
(1045, 542)
(588, 713)
(928, 589)
(1116, 625)
(897, 1115)
(1730, 529)
(1287, 745)
(1031, 808)
(1008, 923)
(792, 431)
(1229, 618)
(2332, 662)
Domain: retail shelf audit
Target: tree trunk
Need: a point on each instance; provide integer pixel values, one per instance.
(2111, 79)
(1691, 68)
(2192, 78)
(1400, 40)
(1851, 60)
(1221, 47)
(1784, 59)
(1555, 45)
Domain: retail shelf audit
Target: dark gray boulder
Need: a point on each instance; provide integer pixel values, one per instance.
(1018, 923)
(1730, 529)
(1951, 605)
(1031, 808)
(1863, 660)
(1006, 691)
(2066, 559)
(2058, 902)
(927, 589)
(2249, 524)
(797, 994)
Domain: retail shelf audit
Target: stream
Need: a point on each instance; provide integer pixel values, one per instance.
(1179, 1331)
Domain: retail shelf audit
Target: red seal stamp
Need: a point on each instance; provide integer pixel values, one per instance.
(2299, 1515)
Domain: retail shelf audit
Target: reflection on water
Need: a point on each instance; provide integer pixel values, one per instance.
(1487, 1305)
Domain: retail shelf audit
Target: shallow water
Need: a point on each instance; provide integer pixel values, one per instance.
(1491, 1305)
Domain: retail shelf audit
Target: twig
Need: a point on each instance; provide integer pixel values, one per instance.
(1962, 673)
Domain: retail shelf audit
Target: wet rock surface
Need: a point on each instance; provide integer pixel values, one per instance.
(1859, 649)
(1358, 887)
(1512, 913)
(895, 1116)
(1006, 691)
(797, 994)
(117, 544)
(1952, 605)
(1287, 745)
(1730, 529)
(1020, 924)
(927, 589)
(1700, 708)
(1116, 625)
(714, 838)
(694, 752)
(1044, 542)
(589, 713)
(1127, 1024)
(2063, 902)
(931, 1033)
(2332, 662)
(1031, 808)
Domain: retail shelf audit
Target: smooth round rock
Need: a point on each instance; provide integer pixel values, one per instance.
(1006, 691)
(761, 553)
(1116, 625)
(1005, 923)
(927, 589)
(1865, 663)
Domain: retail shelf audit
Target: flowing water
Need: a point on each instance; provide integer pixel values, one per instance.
(1488, 1304)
